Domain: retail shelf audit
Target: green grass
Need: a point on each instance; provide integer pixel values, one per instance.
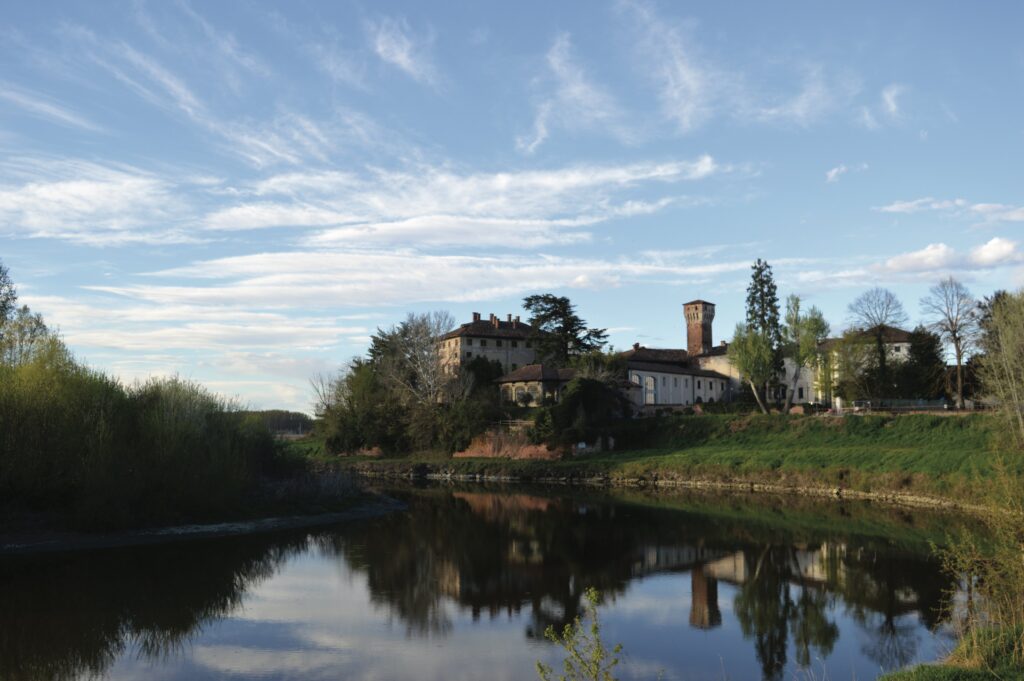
(944, 456)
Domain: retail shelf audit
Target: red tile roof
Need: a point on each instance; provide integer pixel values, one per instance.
(538, 372)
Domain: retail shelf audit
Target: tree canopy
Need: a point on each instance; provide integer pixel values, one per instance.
(561, 333)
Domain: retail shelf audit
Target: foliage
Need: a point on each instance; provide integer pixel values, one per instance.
(587, 656)
(752, 354)
(802, 337)
(8, 296)
(763, 309)
(1002, 366)
(560, 333)
(922, 375)
(587, 411)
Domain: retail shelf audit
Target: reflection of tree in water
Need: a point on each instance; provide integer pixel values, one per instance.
(67, 616)
(767, 611)
(486, 553)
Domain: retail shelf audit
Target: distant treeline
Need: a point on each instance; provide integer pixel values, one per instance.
(282, 421)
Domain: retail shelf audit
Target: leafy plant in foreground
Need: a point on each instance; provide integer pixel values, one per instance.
(587, 657)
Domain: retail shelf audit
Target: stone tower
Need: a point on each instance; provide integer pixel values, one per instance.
(699, 315)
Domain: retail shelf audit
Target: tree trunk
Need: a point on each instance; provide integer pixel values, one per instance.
(959, 376)
(792, 390)
(757, 396)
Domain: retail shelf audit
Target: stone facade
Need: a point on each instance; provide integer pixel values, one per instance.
(508, 342)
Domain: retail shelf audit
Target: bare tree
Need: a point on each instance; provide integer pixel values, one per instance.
(22, 336)
(953, 314)
(411, 364)
(873, 312)
(327, 389)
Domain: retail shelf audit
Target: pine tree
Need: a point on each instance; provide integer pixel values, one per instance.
(763, 312)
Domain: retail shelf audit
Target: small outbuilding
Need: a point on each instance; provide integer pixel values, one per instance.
(540, 381)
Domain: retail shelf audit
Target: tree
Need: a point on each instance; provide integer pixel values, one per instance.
(873, 313)
(23, 334)
(1002, 366)
(763, 314)
(560, 332)
(923, 374)
(752, 354)
(8, 296)
(953, 312)
(801, 339)
(408, 361)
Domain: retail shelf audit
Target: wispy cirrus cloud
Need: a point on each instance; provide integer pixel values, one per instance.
(41, 106)
(985, 212)
(89, 203)
(574, 102)
(394, 41)
(434, 205)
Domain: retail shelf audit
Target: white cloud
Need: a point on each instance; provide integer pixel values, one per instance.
(940, 257)
(685, 87)
(393, 41)
(89, 203)
(816, 98)
(576, 103)
(987, 212)
(833, 174)
(43, 107)
(997, 251)
(890, 100)
(435, 205)
(926, 204)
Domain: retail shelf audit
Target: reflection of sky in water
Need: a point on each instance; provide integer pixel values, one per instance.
(314, 619)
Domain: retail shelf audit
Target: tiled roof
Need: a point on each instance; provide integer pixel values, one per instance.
(715, 351)
(537, 372)
(492, 329)
(674, 369)
(642, 354)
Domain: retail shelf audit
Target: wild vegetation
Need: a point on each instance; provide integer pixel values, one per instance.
(77, 444)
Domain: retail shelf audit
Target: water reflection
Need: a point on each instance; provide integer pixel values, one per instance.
(468, 554)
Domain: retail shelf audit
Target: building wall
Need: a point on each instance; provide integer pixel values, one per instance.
(673, 389)
(510, 353)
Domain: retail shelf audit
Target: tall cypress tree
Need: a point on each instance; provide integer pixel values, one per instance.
(763, 310)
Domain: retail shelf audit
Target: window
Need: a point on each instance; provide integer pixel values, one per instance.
(497, 343)
(469, 341)
(675, 381)
(664, 380)
(469, 354)
(897, 348)
(650, 390)
(723, 385)
(687, 384)
(698, 385)
(483, 342)
(635, 378)
(529, 344)
(515, 344)
(800, 393)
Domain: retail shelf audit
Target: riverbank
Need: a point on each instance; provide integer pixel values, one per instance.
(919, 460)
(49, 541)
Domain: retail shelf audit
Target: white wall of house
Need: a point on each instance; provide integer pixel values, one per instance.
(656, 388)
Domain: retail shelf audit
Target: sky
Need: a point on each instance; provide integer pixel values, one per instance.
(242, 193)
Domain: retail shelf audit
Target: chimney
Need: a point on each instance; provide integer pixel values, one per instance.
(515, 322)
(636, 346)
(494, 320)
(476, 316)
(510, 317)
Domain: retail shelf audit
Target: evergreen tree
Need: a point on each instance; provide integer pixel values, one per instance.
(763, 314)
(560, 332)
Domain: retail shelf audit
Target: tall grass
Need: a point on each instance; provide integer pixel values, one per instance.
(76, 441)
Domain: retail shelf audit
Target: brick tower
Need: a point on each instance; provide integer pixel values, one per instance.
(699, 315)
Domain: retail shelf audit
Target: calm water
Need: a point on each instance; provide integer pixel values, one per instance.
(462, 585)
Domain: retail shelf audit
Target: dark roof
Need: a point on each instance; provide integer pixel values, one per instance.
(667, 355)
(890, 334)
(486, 328)
(715, 351)
(674, 369)
(537, 372)
(698, 302)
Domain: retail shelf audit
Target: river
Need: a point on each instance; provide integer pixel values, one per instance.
(463, 583)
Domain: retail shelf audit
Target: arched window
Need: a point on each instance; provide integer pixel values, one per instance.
(650, 390)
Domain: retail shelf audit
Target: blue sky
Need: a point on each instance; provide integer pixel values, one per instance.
(241, 193)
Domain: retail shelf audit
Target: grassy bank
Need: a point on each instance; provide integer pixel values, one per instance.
(948, 457)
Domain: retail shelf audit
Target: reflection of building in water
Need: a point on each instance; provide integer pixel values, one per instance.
(674, 557)
(823, 565)
(704, 612)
